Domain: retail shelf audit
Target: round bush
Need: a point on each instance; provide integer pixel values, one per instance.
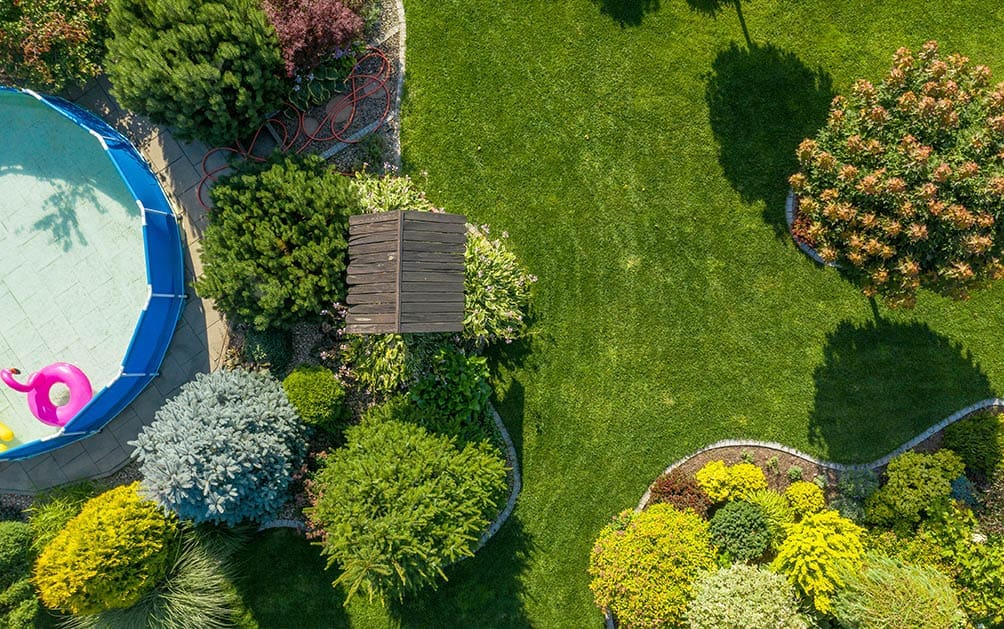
(903, 187)
(643, 565)
(917, 486)
(681, 491)
(211, 70)
(16, 555)
(223, 449)
(397, 504)
(109, 556)
(816, 553)
(740, 531)
(744, 596)
(805, 498)
(274, 249)
(979, 442)
(316, 394)
(722, 482)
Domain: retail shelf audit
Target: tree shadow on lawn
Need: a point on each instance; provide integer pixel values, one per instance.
(883, 383)
(482, 591)
(627, 12)
(762, 102)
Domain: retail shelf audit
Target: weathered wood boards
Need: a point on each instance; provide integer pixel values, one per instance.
(406, 272)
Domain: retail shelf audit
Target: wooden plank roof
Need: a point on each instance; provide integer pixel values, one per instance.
(406, 272)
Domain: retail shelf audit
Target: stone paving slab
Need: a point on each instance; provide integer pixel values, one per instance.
(199, 341)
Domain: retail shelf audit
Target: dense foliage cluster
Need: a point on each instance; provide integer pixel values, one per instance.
(18, 603)
(46, 44)
(776, 510)
(805, 498)
(992, 515)
(817, 552)
(211, 70)
(455, 390)
(496, 290)
(644, 565)
(317, 395)
(223, 449)
(904, 186)
(744, 596)
(917, 486)
(740, 531)
(681, 491)
(108, 556)
(397, 504)
(274, 250)
(308, 30)
(979, 442)
(723, 482)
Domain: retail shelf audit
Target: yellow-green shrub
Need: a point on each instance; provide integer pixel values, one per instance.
(643, 565)
(805, 498)
(777, 510)
(816, 553)
(722, 482)
(107, 557)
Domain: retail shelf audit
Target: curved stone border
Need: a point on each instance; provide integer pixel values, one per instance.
(789, 216)
(493, 528)
(994, 403)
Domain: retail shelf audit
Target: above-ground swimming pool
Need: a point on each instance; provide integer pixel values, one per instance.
(91, 267)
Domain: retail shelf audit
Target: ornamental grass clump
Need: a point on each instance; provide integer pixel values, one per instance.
(643, 565)
(110, 555)
(223, 449)
(904, 186)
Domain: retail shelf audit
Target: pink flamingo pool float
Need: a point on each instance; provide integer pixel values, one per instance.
(39, 386)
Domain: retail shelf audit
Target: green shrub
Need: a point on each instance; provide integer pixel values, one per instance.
(794, 473)
(52, 509)
(19, 606)
(805, 498)
(978, 440)
(195, 592)
(853, 488)
(917, 485)
(274, 250)
(744, 597)
(681, 491)
(389, 363)
(740, 531)
(722, 482)
(643, 566)
(317, 395)
(45, 44)
(389, 193)
(397, 504)
(991, 516)
(454, 392)
(223, 449)
(16, 554)
(776, 511)
(890, 594)
(211, 70)
(108, 556)
(816, 553)
(903, 187)
(496, 290)
(271, 348)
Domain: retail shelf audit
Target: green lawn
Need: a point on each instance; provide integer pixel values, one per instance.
(637, 152)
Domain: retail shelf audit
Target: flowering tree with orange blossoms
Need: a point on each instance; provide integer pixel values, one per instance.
(904, 186)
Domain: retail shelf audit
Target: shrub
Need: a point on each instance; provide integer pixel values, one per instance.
(744, 596)
(274, 249)
(681, 491)
(776, 511)
(388, 363)
(739, 530)
(902, 187)
(917, 485)
(891, 594)
(991, 516)
(223, 449)
(308, 30)
(978, 440)
(815, 554)
(195, 592)
(271, 348)
(722, 482)
(317, 396)
(16, 555)
(853, 487)
(455, 393)
(397, 504)
(805, 498)
(496, 290)
(49, 43)
(109, 556)
(51, 510)
(389, 193)
(794, 473)
(19, 606)
(643, 565)
(209, 69)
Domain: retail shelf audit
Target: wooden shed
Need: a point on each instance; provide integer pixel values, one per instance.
(406, 272)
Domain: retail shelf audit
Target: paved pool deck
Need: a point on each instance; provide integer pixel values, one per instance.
(199, 340)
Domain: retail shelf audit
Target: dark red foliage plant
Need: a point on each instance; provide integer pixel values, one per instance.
(309, 30)
(681, 491)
